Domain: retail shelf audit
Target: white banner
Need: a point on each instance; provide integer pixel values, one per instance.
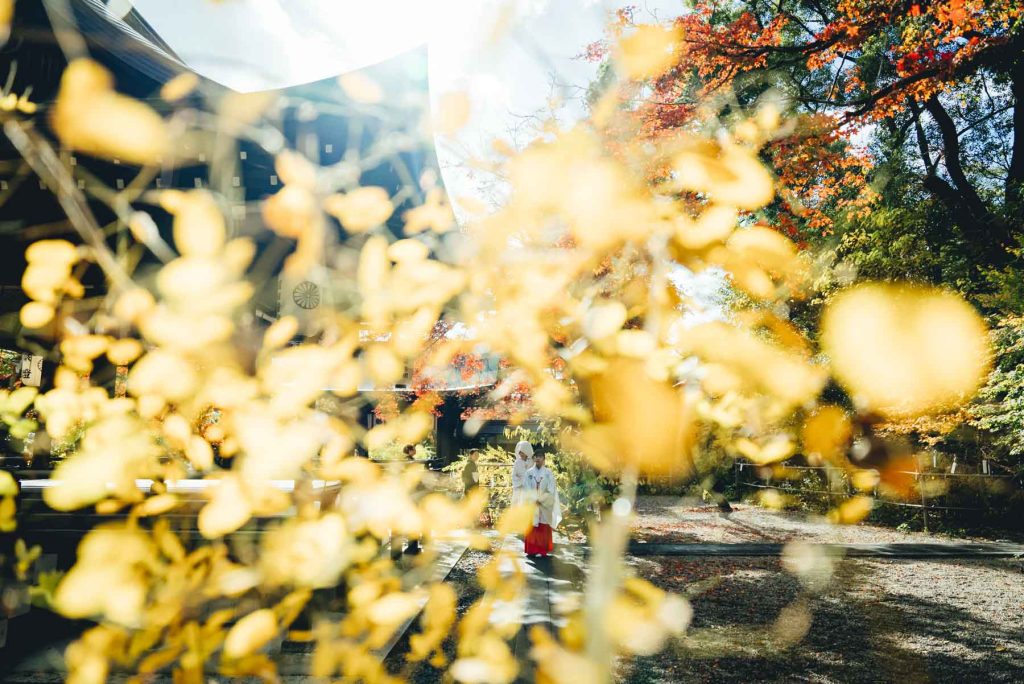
(31, 370)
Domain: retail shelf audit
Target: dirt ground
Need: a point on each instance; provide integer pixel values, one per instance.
(877, 620)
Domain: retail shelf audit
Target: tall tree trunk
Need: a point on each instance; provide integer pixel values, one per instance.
(990, 232)
(1015, 177)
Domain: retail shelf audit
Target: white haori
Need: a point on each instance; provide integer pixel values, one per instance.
(541, 489)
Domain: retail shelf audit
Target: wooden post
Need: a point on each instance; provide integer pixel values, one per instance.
(924, 501)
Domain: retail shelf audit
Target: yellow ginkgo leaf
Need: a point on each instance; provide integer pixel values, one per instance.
(826, 433)
(714, 225)
(361, 87)
(905, 350)
(156, 505)
(383, 365)
(733, 176)
(6, 15)
(250, 634)
(852, 511)
(52, 252)
(408, 250)
(648, 51)
(773, 450)
(199, 453)
(84, 346)
(393, 608)
(603, 320)
(291, 212)
(452, 113)
(435, 214)
(641, 422)
(163, 374)
(8, 487)
(518, 519)
(124, 351)
(36, 314)
(179, 86)
(90, 117)
(199, 228)
(280, 332)
(227, 510)
(361, 209)
(295, 169)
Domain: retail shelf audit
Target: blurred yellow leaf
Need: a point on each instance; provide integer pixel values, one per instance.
(6, 15)
(452, 113)
(295, 169)
(164, 374)
(648, 51)
(602, 320)
(179, 87)
(864, 480)
(905, 350)
(393, 608)
(250, 633)
(826, 433)
(306, 553)
(124, 351)
(640, 422)
(90, 117)
(156, 505)
(280, 332)
(133, 304)
(361, 87)
(732, 176)
(199, 453)
(761, 366)
(291, 212)
(238, 110)
(384, 367)
(52, 252)
(434, 214)
(227, 510)
(772, 450)
(199, 228)
(8, 487)
(852, 511)
(361, 209)
(408, 250)
(517, 520)
(715, 224)
(36, 314)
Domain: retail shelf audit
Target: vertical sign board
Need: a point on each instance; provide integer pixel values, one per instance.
(31, 370)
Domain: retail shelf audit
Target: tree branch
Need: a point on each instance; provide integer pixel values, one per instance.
(922, 140)
(951, 151)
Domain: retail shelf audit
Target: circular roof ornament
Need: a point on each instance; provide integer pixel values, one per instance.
(306, 295)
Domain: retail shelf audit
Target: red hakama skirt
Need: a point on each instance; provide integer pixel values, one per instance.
(539, 540)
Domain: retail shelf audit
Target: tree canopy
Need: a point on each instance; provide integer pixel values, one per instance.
(922, 92)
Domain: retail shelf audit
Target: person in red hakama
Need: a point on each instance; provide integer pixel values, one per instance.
(540, 488)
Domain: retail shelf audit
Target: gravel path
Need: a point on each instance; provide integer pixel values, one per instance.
(669, 519)
(875, 621)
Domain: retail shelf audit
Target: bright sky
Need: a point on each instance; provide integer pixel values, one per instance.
(513, 57)
(505, 54)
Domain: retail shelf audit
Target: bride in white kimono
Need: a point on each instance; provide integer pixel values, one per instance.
(524, 451)
(542, 490)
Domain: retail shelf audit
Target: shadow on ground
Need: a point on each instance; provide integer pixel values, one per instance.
(859, 631)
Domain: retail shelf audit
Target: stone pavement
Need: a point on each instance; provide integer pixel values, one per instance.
(554, 586)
